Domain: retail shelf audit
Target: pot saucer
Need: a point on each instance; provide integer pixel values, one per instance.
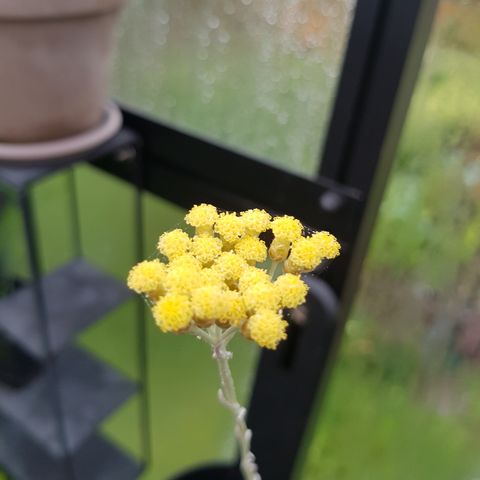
(18, 154)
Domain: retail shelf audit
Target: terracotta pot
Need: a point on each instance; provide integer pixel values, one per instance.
(54, 66)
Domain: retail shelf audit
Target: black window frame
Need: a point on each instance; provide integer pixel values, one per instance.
(380, 67)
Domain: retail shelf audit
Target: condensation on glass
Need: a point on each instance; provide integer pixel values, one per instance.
(405, 397)
(257, 75)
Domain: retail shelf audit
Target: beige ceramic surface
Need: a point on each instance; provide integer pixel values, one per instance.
(110, 124)
(55, 59)
(15, 9)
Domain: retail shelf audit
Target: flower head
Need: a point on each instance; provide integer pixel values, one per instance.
(266, 328)
(173, 244)
(327, 244)
(233, 308)
(211, 276)
(261, 296)
(230, 266)
(307, 252)
(207, 304)
(173, 312)
(251, 276)
(304, 256)
(203, 215)
(292, 290)
(206, 249)
(286, 228)
(252, 249)
(181, 279)
(186, 260)
(256, 221)
(147, 276)
(229, 227)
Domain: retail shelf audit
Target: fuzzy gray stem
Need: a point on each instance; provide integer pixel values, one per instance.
(228, 398)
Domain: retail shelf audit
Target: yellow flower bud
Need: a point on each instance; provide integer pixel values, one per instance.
(207, 304)
(173, 244)
(261, 296)
(203, 215)
(304, 256)
(181, 279)
(327, 244)
(256, 221)
(234, 312)
(211, 276)
(266, 328)
(252, 249)
(230, 266)
(173, 313)
(279, 249)
(292, 290)
(252, 275)
(147, 276)
(229, 227)
(206, 249)
(186, 260)
(286, 228)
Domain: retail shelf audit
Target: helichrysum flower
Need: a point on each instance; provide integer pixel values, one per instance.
(292, 290)
(251, 276)
(186, 260)
(266, 328)
(327, 244)
(286, 228)
(230, 227)
(147, 276)
(202, 217)
(307, 252)
(208, 304)
(252, 249)
(256, 221)
(234, 308)
(206, 249)
(173, 244)
(230, 265)
(304, 256)
(181, 279)
(212, 278)
(261, 296)
(173, 313)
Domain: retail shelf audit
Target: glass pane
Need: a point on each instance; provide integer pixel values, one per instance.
(404, 401)
(257, 75)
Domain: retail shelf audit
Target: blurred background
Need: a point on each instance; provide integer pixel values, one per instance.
(261, 76)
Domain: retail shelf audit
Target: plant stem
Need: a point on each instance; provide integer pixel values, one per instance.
(228, 398)
(273, 268)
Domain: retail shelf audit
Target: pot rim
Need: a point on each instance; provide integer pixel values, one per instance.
(38, 10)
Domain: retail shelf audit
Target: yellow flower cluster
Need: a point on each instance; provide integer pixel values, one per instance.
(213, 277)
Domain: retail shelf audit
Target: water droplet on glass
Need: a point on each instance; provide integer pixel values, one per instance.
(223, 37)
(213, 22)
(163, 17)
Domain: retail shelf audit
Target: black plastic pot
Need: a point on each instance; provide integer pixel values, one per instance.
(220, 472)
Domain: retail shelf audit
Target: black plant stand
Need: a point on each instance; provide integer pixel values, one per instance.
(53, 395)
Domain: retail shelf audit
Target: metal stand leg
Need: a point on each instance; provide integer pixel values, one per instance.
(142, 331)
(74, 213)
(51, 362)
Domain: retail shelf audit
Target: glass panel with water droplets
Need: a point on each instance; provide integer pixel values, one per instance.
(257, 75)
